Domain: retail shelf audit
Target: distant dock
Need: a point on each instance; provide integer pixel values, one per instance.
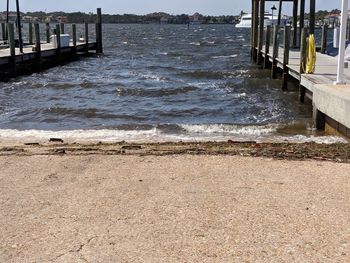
(280, 49)
(37, 54)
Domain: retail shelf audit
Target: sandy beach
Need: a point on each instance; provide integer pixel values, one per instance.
(95, 205)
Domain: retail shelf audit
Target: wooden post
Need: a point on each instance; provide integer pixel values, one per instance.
(37, 45)
(275, 51)
(86, 37)
(324, 39)
(11, 37)
(47, 32)
(312, 16)
(261, 30)
(30, 33)
(301, 19)
(19, 27)
(62, 28)
(279, 12)
(267, 46)
(58, 39)
(302, 63)
(348, 30)
(3, 29)
(99, 46)
(252, 32)
(74, 33)
(74, 38)
(286, 57)
(295, 23)
(255, 28)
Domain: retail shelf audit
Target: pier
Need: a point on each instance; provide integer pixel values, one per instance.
(18, 56)
(282, 48)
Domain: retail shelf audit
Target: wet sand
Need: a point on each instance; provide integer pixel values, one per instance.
(144, 203)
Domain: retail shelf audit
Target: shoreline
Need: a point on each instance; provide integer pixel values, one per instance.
(338, 152)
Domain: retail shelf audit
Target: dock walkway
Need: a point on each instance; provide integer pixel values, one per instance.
(333, 101)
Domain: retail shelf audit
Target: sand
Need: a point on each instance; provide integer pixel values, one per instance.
(172, 208)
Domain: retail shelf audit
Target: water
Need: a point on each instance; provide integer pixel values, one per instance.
(158, 83)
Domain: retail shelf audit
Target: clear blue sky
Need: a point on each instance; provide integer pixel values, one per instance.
(207, 7)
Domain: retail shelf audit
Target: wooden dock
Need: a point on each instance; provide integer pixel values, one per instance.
(38, 54)
(280, 50)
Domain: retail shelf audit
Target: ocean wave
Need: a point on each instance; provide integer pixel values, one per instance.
(168, 133)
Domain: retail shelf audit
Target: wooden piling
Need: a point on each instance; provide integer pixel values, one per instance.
(286, 57)
(261, 31)
(74, 38)
(295, 23)
(47, 32)
(3, 30)
(324, 39)
(99, 47)
(74, 33)
(62, 28)
(37, 46)
(301, 19)
(58, 39)
(252, 32)
(11, 38)
(267, 47)
(312, 16)
(255, 29)
(86, 37)
(275, 51)
(30, 33)
(302, 89)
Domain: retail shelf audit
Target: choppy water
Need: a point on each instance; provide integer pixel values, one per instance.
(158, 83)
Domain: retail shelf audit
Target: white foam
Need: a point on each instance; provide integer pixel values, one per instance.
(229, 129)
(200, 133)
(229, 56)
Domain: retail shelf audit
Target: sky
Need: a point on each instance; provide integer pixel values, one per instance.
(206, 7)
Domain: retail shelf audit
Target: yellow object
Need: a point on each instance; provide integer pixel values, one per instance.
(310, 62)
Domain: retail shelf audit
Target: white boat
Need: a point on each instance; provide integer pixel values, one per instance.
(246, 20)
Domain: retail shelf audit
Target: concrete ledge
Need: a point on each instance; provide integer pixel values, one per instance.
(333, 101)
